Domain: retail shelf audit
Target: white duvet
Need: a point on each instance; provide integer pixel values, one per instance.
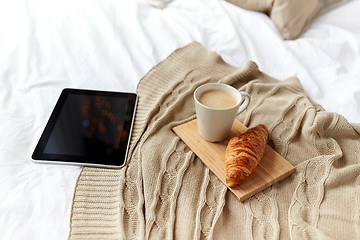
(46, 46)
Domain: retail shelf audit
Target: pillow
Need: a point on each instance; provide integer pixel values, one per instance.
(255, 5)
(291, 17)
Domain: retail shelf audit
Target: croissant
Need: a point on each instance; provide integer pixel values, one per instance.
(243, 153)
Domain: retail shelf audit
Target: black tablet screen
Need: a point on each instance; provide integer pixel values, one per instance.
(88, 127)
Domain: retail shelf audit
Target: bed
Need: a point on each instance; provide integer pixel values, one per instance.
(110, 45)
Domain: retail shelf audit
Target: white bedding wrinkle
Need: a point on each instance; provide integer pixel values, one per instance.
(159, 3)
(110, 45)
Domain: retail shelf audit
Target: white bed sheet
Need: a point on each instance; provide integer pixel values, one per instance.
(46, 46)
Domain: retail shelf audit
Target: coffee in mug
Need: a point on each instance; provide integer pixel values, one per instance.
(218, 99)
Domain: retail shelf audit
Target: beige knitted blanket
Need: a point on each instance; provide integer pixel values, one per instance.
(166, 192)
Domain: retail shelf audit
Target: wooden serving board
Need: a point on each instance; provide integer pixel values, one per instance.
(271, 169)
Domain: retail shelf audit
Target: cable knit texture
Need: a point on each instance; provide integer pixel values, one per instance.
(166, 192)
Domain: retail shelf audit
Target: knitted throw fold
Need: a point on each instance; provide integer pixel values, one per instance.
(166, 192)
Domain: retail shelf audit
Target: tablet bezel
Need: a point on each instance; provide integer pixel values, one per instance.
(39, 156)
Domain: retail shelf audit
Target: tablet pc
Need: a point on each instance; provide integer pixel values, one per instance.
(88, 128)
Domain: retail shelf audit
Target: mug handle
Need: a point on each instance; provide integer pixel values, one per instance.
(245, 103)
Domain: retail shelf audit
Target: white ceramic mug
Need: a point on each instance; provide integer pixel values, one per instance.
(215, 123)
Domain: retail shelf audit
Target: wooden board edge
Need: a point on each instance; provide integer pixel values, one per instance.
(252, 193)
